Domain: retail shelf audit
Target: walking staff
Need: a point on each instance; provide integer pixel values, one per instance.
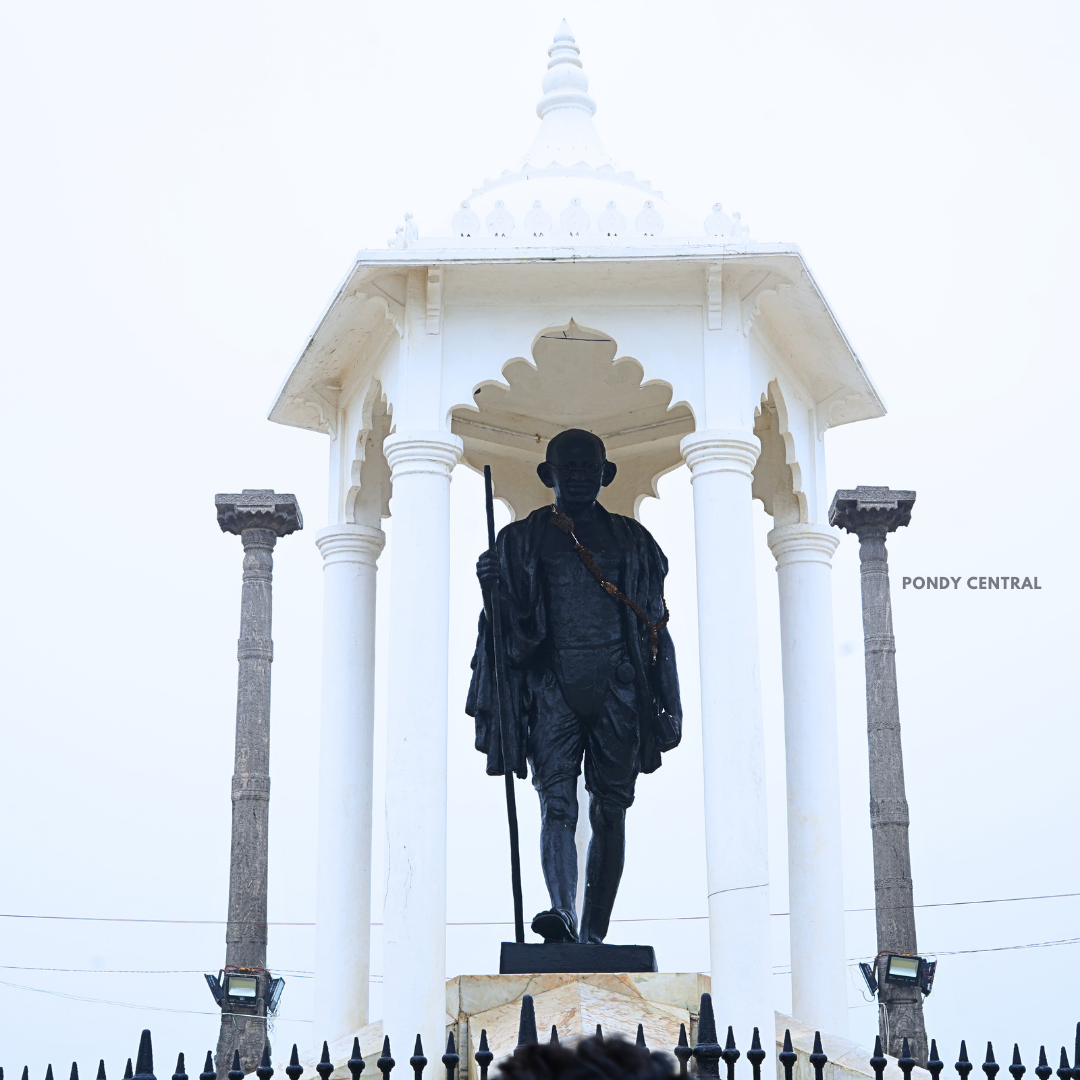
(492, 601)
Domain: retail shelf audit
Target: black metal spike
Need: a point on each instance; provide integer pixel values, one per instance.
(144, 1060)
(1017, 1068)
(818, 1058)
(554, 1040)
(48, 1072)
(639, 1042)
(599, 1032)
(730, 1054)
(294, 1070)
(385, 1062)
(325, 1066)
(963, 1065)
(707, 1049)
(74, 1071)
(100, 1070)
(451, 1058)
(990, 1066)
(208, 1073)
(905, 1060)
(526, 1024)
(878, 1061)
(418, 1061)
(356, 1063)
(237, 1070)
(755, 1055)
(264, 1070)
(483, 1056)
(127, 1070)
(683, 1051)
(787, 1056)
(934, 1065)
(1076, 1055)
(180, 1074)
(26, 1072)
(1043, 1070)
(1063, 1072)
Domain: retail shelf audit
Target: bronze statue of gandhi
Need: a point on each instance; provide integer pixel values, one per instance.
(591, 673)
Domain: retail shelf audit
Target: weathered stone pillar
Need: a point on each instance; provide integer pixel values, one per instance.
(872, 513)
(258, 517)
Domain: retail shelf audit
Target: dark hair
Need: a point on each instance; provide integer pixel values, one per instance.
(610, 1058)
(569, 433)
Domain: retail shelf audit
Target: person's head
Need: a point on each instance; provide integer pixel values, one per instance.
(576, 467)
(592, 1059)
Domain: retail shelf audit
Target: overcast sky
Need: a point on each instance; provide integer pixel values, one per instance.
(183, 187)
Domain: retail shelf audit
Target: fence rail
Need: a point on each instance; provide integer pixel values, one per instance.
(706, 1054)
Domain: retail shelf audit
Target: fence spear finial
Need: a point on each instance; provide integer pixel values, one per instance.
(385, 1062)
(451, 1058)
(1043, 1070)
(707, 1050)
(418, 1061)
(264, 1070)
(683, 1051)
(294, 1070)
(527, 1024)
(483, 1055)
(209, 1072)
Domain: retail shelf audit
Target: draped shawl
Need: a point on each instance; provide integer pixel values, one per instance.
(644, 567)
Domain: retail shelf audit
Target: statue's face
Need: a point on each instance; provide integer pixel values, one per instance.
(577, 468)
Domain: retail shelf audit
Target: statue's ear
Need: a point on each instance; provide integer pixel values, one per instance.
(610, 469)
(547, 477)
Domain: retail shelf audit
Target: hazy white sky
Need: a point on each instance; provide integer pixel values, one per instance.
(185, 184)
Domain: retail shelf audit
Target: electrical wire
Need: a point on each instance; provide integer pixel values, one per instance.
(658, 918)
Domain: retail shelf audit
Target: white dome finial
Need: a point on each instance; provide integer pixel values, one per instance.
(565, 83)
(566, 134)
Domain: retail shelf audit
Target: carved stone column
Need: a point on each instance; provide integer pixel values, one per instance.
(872, 513)
(258, 517)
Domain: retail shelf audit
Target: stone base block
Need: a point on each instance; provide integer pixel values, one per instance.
(567, 958)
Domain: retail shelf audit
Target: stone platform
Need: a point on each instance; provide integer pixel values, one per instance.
(576, 1003)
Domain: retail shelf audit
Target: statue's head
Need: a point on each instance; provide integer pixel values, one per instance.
(576, 467)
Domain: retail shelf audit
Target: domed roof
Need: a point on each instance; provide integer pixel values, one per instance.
(567, 190)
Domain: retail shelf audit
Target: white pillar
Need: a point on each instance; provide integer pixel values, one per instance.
(733, 751)
(815, 860)
(414, 911)
(343, 876)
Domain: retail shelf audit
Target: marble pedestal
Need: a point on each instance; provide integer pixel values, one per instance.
(575, 1004)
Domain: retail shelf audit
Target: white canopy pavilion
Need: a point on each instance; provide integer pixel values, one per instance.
(568, 294)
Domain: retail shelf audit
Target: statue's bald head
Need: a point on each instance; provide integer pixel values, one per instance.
(576, 466)
(570, 443)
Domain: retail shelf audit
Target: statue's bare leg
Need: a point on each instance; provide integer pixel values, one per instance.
(603, 869)
(558, 851)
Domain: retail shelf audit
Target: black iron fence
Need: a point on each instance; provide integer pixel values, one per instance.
(706, 1055)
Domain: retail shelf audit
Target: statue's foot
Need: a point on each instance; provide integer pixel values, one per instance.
(554, 926)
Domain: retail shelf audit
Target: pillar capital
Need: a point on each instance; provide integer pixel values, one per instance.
(258, 508)
(867, 508)
(350, 543)
(412, 452)
(717, 450)
(802, 543)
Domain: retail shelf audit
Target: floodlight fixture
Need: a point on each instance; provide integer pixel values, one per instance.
(868, 976)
